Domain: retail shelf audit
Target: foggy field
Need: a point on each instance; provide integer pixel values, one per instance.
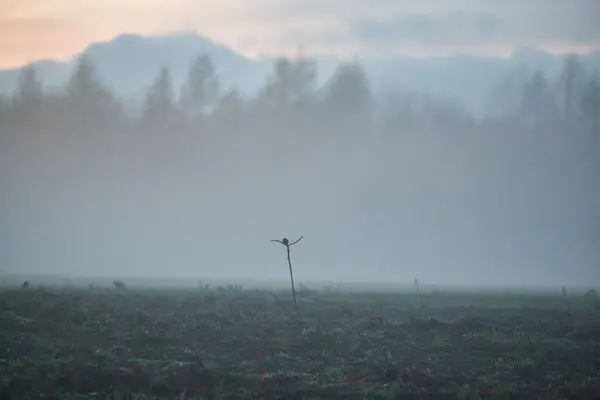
(238, 343)
(439, 160)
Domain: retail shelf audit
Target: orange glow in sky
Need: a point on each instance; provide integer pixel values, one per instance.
(31, 30)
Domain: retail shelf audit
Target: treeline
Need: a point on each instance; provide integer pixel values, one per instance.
(291, 101)
(290, 122)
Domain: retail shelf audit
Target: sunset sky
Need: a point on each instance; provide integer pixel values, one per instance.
(36, 29)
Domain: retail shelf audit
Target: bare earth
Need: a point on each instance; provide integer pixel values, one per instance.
(71, 343)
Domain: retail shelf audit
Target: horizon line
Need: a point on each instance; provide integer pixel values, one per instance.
(352, 283)
(267, 56)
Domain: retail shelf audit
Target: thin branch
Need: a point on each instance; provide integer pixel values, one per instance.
(287, 245)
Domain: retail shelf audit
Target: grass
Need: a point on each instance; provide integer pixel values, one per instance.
(100, 343)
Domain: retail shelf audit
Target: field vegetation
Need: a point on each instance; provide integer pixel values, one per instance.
(122, 342)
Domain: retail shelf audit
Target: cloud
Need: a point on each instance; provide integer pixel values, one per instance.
(576, 21)
(326, 26)
(447, 29)
(505, 23)
(420, 27)
(429, 27)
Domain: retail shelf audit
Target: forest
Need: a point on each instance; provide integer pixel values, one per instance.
(290, 102)
(296, 153)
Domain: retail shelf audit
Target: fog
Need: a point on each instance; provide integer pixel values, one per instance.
(382, 187)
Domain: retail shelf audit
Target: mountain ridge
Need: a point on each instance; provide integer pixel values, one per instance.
(129, 62)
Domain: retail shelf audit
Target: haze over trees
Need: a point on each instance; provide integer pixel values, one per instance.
(382, 187)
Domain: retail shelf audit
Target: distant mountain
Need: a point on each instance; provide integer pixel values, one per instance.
(129, 63)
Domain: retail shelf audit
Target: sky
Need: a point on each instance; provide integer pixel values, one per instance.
(31, 30)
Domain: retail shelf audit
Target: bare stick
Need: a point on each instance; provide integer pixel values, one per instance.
(287, 245)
